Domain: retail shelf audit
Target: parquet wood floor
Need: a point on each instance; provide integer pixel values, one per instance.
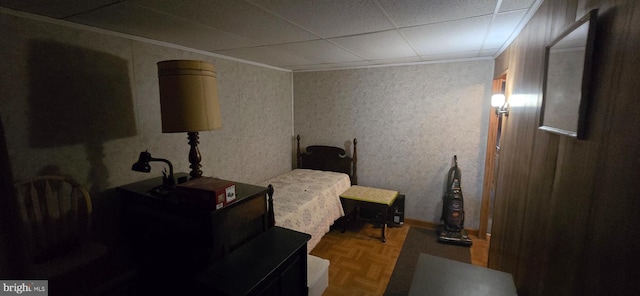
(362, 265)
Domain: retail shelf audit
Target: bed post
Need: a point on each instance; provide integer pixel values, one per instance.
(271, 219)
(298, 155)
(354, 178)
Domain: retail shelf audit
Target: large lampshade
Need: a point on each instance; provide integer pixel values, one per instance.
(189, 102)
(188, 96)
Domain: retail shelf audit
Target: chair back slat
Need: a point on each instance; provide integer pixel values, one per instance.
(24, 216)
(63, 206)
(52, 224)
(56, 212)
(81, 195)
(73, 216)
(39, 233)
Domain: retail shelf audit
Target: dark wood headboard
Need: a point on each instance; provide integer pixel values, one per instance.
(328, 158)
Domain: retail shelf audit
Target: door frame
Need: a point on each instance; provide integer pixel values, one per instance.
(490, 165)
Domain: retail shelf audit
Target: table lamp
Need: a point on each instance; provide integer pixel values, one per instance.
(189, 102)
(142, 165)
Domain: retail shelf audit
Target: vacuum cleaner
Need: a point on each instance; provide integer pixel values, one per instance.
(452, 231)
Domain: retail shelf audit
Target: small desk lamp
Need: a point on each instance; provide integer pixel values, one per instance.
(143, 166)
(189, 102)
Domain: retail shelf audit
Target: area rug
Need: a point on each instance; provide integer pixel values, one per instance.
(420, 240)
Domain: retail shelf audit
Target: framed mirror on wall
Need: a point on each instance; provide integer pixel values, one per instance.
(567, 75)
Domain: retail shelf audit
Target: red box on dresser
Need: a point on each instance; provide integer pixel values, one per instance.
(208, 192)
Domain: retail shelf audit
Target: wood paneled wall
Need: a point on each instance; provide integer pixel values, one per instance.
(567, 211)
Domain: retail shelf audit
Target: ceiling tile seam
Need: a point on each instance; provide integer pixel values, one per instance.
(90, 10)
(519, 8)
(291, 53)
(378, 31)
(330, 40)
(306, 30)
(398, 64)
(523, 22)
(284, 19)
(347, 50)
(309, 31)
(491, 24)
(318, 35)
(395, 25)
(362, 59)
(287, 51)
(512, 33)
(203, 26)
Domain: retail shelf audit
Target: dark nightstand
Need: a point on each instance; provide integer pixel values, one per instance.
(171, 241)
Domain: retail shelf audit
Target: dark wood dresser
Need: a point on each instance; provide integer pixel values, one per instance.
(274, 263)
(171, 241)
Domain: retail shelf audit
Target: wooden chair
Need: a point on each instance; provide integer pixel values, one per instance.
(56, 215)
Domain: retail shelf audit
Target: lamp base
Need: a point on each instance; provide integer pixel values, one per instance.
(194, 155)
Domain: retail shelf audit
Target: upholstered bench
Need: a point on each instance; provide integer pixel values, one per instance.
(376, 199)
(317, 275)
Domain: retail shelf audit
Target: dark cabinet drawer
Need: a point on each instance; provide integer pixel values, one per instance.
(246, 222)
(274, 263)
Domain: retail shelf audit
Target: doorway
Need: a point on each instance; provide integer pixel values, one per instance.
(492, 160)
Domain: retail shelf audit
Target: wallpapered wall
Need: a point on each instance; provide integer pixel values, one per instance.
(83, 103)
(409, 121)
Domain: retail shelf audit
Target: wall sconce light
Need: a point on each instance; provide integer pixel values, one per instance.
(498, 101)
(189, 102)
(143, 166)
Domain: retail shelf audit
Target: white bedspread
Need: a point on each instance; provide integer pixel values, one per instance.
(308, 201)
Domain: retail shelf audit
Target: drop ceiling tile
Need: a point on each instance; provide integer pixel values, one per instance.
(237, 17)
(55, 9)
(375, 46)
(266, 56)
(319, 51)
(421, 12)
(330, 18)
(509, 5)
(142, 22)
(454, 36)
(451, 56)
(315, 67)
(405, 60)
(502, 28)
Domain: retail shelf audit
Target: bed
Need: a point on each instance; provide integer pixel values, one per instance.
(307, 199)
